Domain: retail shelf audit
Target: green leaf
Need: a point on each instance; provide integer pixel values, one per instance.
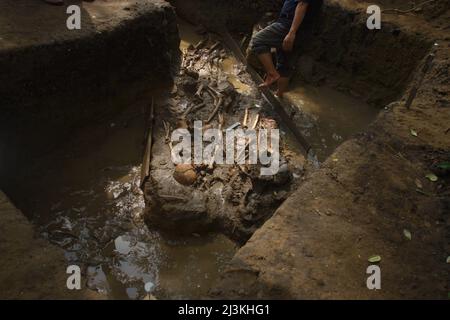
(444, 165)
(374, 259)
(413, 132)
(432, 177)
(407, 234)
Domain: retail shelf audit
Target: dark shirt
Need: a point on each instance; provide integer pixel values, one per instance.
(288, 12)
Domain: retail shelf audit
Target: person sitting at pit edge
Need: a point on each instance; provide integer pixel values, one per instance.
(281, 35)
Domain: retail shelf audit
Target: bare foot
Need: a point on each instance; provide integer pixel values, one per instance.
(270, 79)
(55, 2)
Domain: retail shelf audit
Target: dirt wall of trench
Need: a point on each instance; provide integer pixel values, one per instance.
(66, 75)
(375, 65)
(236, 15)
(55, 80)
(369, 193)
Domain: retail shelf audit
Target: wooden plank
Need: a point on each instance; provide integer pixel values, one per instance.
(145, 169)
(267, 93)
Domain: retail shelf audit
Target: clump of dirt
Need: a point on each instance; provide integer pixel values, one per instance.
(234, 199)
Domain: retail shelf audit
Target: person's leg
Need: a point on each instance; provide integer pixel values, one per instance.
(272, 74)
(270, 37)
(285, 67)
(283, 85)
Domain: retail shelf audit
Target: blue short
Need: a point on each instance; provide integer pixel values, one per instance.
(273, 36)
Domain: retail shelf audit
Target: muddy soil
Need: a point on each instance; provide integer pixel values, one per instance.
(54, 79)
(85, 139)
(31, 268)
(236, 15)
(384, 192)
(232, 199)
(85, 198)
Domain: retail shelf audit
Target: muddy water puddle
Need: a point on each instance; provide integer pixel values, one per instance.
(85, 198)
(329, 117)
(229, 66)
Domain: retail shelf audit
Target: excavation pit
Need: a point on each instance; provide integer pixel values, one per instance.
(83, 196)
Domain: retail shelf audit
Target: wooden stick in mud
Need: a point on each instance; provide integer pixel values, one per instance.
(244, 122)
(198, 107)
(188, 110)
(243, 41)
(216, 109)
(166, 131)
(242, 153)
(192, 108)
(255, 123)
(200, 44)
(214, 91)
(276, 104)
(214, 47)
(145, 169)
(200, 90)
(216, 148)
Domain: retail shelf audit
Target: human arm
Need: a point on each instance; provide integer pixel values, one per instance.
(289, 40)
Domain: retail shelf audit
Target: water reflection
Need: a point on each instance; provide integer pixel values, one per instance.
(328, 117)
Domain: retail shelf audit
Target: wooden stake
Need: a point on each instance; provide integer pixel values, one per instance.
(216, 109)
(145, 169)
(244, 123)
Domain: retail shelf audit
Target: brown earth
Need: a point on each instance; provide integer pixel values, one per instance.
(53, 83)
(31, 268)
(236, 15)
(53, 80)
(225, 198)
(368, 192)
(358, 204)
(112, 48)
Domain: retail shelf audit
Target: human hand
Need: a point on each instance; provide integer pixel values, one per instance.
(288, 43)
